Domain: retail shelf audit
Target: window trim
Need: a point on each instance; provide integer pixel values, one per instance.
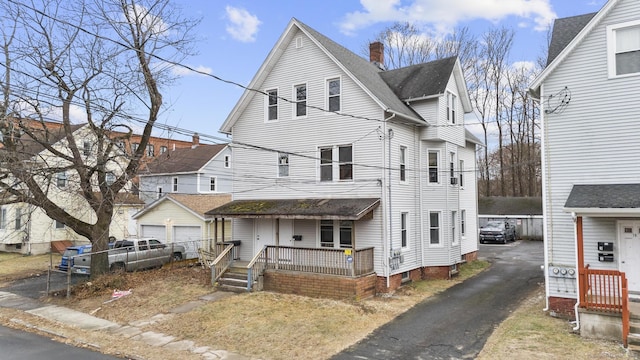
(213, 182)
(336, 228)
(452, 167)
(282, 166)
(454, 226)
(336, 164)
(437, 167)
(268, 105)
(61, 179)
(296, 101)
(18, 219)
(174, 184)
(3, 218)
(327, 96)
(227, 161)
(611, 48)
(163, 149)
(438, 228)
(150, 150)
(159, 192)
(461, 172)
(109, 178)
(402, 164)
(86, 148)
(58, 225)
(463, 216)
(404, 230)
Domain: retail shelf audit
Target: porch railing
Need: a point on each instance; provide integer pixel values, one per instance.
(255, 268)
(606, 291)
(320, 261)
(222, 263)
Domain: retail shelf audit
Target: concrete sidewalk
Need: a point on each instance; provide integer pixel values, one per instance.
(133, 331)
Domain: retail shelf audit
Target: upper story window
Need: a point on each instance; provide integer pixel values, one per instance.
(433, 167)
(463, 217)
(18, 218)
(175, 184)
(272, 104)
(227, 161)
(452, 169)
(150, 150)
(159, 192)
(403, 165)
(283, 165)
(454, 220)
(212, 183)
(163, 149)
(110, 178)
(86, 148)
(120, 144)
(451, 107)
(461, 173)
(59, 225)
(333, 94)
(340, 157)
(134, 147)
(623, 42)
(301, 100)
(61, 179)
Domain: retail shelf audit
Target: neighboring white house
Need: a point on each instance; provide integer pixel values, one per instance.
(201, 169)
(590, 100)
(27, 229)
(333, 152)
(180, 218)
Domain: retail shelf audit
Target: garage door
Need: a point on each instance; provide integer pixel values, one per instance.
(190, 237)
(155, 231)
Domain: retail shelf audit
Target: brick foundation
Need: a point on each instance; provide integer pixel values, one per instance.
(320, 286)
(562, 307)
(472, 256)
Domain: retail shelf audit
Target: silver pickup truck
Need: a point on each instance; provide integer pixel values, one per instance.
(134, 254)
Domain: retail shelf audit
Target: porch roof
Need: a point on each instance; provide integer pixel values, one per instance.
(604, 200)
(320, 209)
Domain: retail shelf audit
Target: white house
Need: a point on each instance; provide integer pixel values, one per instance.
(590, 100)
(365, 168)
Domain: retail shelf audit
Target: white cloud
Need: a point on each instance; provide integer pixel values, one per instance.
(443, 15)
(182, 71)
(243, 26)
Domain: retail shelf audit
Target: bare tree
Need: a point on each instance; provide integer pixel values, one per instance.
(107, 59)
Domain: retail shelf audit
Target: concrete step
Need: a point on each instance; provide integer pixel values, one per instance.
(231, 288)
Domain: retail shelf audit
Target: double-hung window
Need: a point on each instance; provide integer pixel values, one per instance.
(150, 150)
(61, 179)
(326, 233)
(454, 219)
(86, 148)
(452, 170)
(403, 163)
(283, 165)
(340, 157)
(461, 173)
(227, 161)
(272, 104)
(18, 218)
(175, 184)
(434, 227)
(463, 216)
(110, 178)
(301, 100)
(3, 218)
(333, 94)
(623, 42)
(134, 147)
(403, 229)
(346, 234)
(163, 149)
(212, 183)
(433, 167)
(159, 192)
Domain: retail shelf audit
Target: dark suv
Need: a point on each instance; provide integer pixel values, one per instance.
(497, 231)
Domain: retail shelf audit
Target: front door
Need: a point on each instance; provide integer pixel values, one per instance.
(265, 233)
(629, 235)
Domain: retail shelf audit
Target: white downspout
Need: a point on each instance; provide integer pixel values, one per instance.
(546, 230)
(385, 187)
(418, 179)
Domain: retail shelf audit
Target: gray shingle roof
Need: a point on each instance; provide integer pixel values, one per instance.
(564, 30)
(500, 205)
(339, 209)
(183, 160)
(417, 81)
(611, 196)
(366, 72)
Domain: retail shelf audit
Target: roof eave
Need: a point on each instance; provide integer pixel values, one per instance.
(604, 212)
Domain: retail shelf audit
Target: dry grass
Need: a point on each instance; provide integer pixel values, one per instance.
(15, 266)
(531, 334)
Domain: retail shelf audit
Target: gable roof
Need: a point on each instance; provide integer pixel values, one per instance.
(565, 30)
(581, 26)
(27, 147)
(183, 160)
(197, 204)
(420, 80)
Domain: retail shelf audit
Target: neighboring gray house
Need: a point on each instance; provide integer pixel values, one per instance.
(525, 213)
(201, 169)
(352, 167)
(590, 100)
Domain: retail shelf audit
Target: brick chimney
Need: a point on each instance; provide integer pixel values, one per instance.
(196, 140)
(376, 52)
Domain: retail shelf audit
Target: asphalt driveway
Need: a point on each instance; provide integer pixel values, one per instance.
(456, 323)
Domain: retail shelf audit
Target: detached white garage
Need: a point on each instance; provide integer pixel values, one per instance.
(180, 219)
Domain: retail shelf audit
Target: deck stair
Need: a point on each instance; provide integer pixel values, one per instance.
(634, 326)
(234, 278)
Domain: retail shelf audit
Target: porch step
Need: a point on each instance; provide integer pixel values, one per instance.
(235, 278)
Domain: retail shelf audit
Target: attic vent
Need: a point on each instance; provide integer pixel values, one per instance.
(298, 42)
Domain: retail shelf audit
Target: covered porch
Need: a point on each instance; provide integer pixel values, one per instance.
(607, 266)
(321, 250)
